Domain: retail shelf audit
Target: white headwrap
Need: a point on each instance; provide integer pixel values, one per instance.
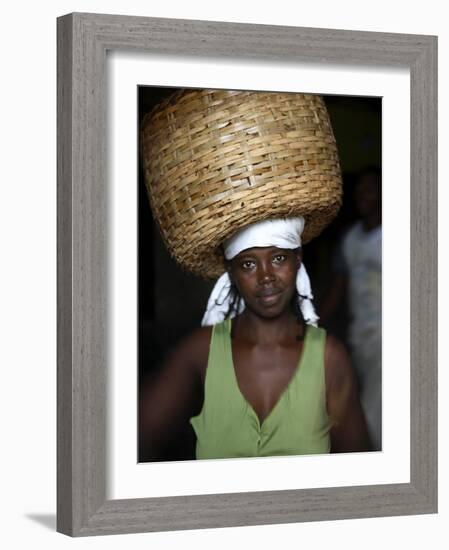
(282, 233)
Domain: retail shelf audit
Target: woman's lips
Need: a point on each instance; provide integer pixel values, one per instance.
(268, 296)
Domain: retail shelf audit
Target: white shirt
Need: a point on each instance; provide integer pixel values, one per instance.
(362, 251)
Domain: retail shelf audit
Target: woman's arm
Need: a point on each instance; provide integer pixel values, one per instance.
(167, 401)
(348, 432)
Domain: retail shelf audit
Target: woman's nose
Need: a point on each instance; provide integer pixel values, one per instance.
(266, 274)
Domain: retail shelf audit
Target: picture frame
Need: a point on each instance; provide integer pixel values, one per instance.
(83, 41)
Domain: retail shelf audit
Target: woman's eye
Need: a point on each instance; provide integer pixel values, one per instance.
(279, 258)
(248, 264)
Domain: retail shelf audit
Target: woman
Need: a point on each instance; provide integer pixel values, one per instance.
(262, 382)
(237, 181)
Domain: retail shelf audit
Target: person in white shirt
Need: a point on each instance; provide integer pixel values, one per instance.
(360, 276)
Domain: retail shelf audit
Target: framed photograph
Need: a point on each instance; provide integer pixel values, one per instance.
(172, 301)
(109, 68)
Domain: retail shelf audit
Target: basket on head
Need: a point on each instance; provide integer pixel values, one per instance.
(215, 161)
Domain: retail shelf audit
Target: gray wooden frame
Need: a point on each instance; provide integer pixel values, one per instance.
(83, 40)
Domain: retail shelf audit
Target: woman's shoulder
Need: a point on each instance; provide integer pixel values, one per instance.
(337, 363)
(199, 338)
(333, 344)
(193, 349)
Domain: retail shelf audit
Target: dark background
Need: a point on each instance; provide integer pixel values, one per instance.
(172, 302)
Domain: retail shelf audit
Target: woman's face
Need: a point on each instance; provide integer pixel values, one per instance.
(266, 278)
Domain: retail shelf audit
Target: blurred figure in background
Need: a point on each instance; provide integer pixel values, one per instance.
(358, 266)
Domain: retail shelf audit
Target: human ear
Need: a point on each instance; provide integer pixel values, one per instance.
(298, 254)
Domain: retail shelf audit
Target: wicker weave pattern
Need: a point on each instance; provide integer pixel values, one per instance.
(215, 161)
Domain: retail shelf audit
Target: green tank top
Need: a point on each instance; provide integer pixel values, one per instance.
(228, 426)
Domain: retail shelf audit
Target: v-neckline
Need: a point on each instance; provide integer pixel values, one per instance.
(283, 393)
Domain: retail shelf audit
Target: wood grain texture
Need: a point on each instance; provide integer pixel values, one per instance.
(423, 274)
(64, 279)
(83, 40)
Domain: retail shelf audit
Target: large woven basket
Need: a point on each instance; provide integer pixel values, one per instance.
(215, 161)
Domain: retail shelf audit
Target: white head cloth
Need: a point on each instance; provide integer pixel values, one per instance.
(282, 233)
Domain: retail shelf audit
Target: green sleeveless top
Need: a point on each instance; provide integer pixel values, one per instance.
(228, 426)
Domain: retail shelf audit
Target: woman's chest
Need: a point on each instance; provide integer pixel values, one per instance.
(263, 375)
